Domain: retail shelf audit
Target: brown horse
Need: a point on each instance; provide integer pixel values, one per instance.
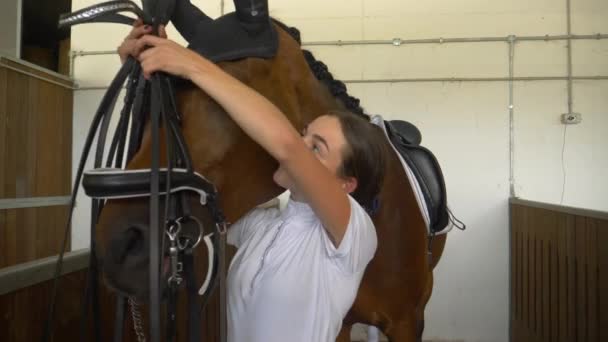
(397, 283)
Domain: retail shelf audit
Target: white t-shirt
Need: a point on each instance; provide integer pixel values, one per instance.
(287, 281)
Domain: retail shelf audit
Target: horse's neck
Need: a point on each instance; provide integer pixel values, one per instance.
(316, 100)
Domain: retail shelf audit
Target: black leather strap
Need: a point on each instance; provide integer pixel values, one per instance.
(194, 317)
(110, 95)
(156, 98)
(106, 12)
(119, 318)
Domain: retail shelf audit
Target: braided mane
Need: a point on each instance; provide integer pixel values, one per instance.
(322, 73)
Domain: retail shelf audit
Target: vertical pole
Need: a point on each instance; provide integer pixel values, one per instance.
(511, 40)
(569, 51)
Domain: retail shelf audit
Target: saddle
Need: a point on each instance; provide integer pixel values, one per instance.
(424, 168)
(227, 38)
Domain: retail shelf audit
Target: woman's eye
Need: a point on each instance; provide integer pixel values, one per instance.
(315, 149)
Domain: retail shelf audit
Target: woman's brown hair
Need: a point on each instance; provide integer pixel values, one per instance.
(364, 158)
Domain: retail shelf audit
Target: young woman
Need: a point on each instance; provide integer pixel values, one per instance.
(296, 272)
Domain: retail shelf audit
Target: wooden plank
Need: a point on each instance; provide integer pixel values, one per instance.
(65, 139)
(31, 233)
(513, 263)
(27, 234)
(36, 161)
(37, 70)
(10, 244)
(515, 272)
(23, 313)
(3, 128)
(16, 118)
(602, 215)
(581, 279)
(526, 271)
(514, 227)
(562, 267)
(571, 278)
(546, 275)
(592, 270)
(554, 280)
(602, 262)
(538, 291)
(30, 137)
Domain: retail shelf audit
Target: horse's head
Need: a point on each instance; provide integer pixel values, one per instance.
(240, 169)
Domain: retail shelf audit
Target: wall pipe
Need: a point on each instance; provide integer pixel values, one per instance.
(399, 41)
(445, 80)
(511, 118)
(569, 51)
(396, 42)
(477, 79)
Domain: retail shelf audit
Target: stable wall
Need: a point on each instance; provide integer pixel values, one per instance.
(465, 123)
(10, 28)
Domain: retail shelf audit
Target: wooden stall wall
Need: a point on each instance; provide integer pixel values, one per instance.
(24, 308)
(36, 159)
(559, 273)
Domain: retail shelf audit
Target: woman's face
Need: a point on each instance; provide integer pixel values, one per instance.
(325, 139)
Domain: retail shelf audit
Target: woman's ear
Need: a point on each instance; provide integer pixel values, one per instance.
(349, 184)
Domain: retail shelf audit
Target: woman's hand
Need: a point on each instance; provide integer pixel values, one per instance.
(128, 45)
(161, 54)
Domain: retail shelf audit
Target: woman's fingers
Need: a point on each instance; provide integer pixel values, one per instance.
(148, 40)
(139, 31)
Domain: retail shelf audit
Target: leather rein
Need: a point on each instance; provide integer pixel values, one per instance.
(169, 240)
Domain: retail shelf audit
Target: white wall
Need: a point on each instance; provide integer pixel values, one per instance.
(10, 27)
(466, 124)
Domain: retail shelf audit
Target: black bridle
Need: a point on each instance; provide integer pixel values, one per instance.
(109, 180)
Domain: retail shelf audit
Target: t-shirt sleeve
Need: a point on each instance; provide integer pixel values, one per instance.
(359, 243)
(243, 229)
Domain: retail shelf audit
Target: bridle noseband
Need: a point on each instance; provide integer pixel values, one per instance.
(110, 180)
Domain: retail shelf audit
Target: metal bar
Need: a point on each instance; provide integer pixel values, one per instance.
(42, 78)
(511, 117)
(94, 53)
(33, 202)
(569, 51)
(19, 25)
(478, 79)
(17, 277)
(399, 41)
(602, 215)
(511, 155)
(442, 79)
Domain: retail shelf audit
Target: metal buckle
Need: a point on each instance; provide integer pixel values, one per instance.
(221, 227)
(183, 242)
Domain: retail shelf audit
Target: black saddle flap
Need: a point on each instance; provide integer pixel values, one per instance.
(406, 139)
(226, 38)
